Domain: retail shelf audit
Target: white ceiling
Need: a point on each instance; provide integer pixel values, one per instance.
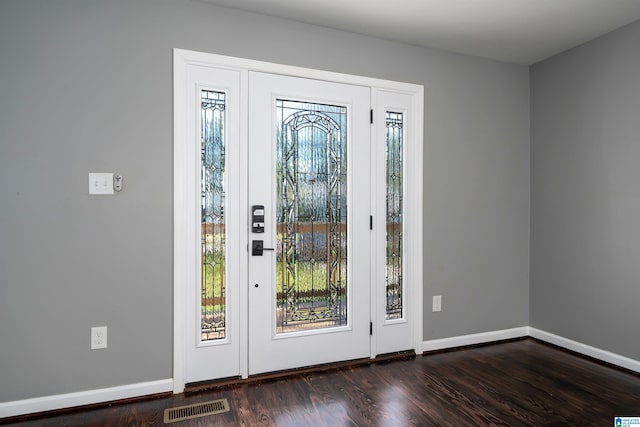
(518, 31)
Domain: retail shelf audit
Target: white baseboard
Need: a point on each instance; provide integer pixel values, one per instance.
(487, 337)
(587, 350)
(69, 400)
(481, 338)
(49, 403)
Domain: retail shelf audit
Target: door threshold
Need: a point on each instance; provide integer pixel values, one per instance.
(197, 387)
(297, 372)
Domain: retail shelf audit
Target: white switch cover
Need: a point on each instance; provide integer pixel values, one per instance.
(437, 302)
(100, 183)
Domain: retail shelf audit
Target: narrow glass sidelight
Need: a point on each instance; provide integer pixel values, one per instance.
(394, 164)
(212, 238)
(311, 213)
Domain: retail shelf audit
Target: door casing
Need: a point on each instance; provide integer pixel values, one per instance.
(183, 60)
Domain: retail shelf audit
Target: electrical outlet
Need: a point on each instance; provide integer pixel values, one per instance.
(98, 337)
(437, 303)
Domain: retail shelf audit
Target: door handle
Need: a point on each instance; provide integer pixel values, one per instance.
(257, 247)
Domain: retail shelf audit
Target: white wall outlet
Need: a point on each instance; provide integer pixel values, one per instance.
(98, 337)
(437, 303)
(100, 183)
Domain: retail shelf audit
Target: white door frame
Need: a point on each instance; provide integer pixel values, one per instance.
(182, 268)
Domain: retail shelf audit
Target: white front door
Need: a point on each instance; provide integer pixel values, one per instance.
(294, 166)
(309, 168)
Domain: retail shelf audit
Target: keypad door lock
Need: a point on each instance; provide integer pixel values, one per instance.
(257, 248)
(257, 219)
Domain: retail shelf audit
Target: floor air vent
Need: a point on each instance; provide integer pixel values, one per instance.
(196, 410)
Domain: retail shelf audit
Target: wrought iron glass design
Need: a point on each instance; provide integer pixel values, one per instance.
(213, 285)
(394, 133)
(311, 212)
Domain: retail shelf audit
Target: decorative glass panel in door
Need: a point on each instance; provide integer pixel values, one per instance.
(311, 215)
(393, 145)
(309, 167)
(212, 164)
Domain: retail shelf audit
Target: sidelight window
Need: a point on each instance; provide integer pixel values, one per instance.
(394, 165)
(212, 238)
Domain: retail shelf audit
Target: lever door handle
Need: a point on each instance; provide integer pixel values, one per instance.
(257, 248)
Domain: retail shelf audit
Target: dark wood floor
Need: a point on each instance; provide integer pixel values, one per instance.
(518, 383)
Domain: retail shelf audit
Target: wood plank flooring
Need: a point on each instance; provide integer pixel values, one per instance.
(518, 383)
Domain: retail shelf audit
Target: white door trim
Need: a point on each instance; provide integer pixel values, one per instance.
(181, 61)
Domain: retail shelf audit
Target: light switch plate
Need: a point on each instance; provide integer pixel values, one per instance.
(100, 183)
(437, 303)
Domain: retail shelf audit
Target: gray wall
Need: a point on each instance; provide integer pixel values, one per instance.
(86, 86)
(585, 198)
